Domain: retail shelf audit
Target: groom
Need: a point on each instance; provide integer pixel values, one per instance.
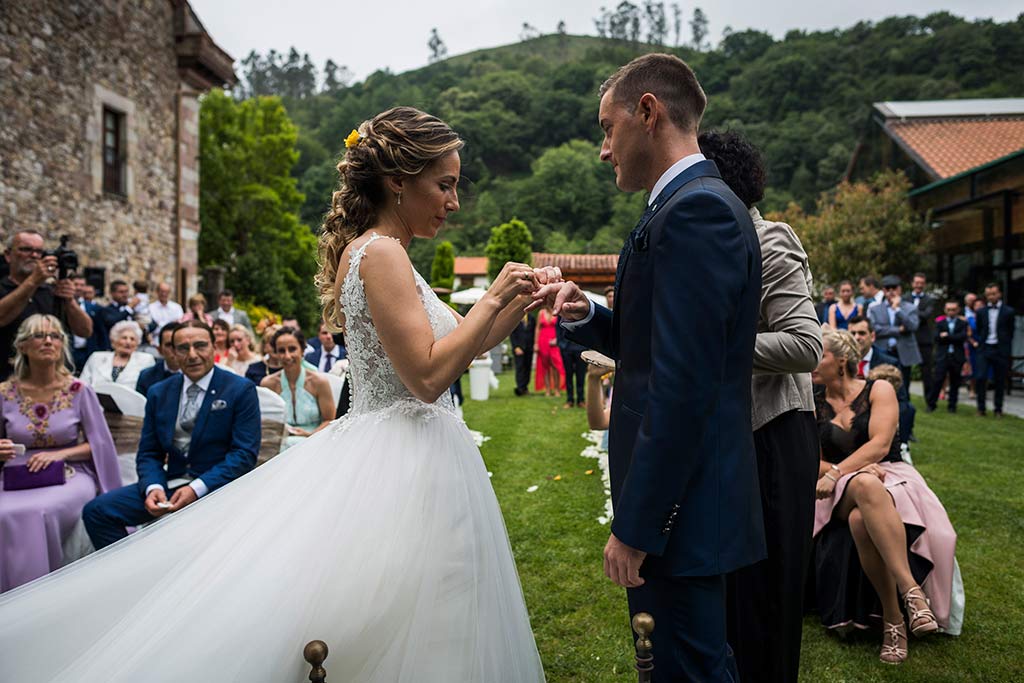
(681, 453)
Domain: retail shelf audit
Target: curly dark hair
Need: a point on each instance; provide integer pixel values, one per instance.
(739, 162)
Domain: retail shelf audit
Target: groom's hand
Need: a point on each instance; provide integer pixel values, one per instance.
(622, 563)
(565, 299)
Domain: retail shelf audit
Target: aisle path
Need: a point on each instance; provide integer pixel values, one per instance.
(1012, 405)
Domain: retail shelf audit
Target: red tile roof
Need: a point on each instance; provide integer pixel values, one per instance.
(570, 264)
(948, 146)
(470, 265)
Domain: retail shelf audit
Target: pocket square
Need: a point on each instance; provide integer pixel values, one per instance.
(219, 404)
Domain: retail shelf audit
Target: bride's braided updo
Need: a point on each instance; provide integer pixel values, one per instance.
(398, 142)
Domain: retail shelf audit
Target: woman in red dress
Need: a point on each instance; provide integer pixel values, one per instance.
(550, 373)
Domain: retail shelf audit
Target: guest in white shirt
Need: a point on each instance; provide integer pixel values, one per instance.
(227, 312)
(327, 355)
(124, 363)
(163, 310)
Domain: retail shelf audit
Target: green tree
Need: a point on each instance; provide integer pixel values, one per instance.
(510, 241)
(442, 269)
(865, 227)
(249, 204)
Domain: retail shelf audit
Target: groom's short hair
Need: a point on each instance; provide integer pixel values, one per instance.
(666, 77)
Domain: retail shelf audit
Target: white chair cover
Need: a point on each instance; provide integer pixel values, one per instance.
(271, 405)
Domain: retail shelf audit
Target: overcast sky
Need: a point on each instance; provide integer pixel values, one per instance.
(367, 36)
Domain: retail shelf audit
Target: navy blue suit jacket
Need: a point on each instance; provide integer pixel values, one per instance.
(681, 450)
(1004, 328)
(152, 375)
(225, 439)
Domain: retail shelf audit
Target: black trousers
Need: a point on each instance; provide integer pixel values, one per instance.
(947, 366)
(689, 628)
(523, 366)
(990, 357)
(927, 366)
(765, 600)
(575, 368)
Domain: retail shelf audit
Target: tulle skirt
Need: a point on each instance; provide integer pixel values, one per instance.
(380, 535)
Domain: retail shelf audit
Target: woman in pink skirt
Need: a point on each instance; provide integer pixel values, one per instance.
(880, 532)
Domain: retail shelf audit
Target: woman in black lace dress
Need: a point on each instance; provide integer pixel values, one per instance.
(880, 531)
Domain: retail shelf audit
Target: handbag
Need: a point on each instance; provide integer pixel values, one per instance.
(18, 478)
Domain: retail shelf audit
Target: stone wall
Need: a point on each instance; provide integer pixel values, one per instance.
(61, 62)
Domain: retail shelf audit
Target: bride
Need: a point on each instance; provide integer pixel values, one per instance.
(380, 534)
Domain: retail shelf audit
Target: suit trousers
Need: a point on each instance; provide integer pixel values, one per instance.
(523, 366)
(575, 368)
(106, 516)
(990, 357)
(689, 628)
(765, 600)
(947, 366)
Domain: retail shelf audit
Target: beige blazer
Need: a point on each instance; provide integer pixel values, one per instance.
(788, 344)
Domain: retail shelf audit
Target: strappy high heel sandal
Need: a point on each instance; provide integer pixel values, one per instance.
(893, 635)
(922, 621)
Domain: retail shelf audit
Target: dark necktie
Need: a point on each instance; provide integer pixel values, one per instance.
(329, 362)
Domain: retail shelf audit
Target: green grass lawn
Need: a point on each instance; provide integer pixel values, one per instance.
(580, 618)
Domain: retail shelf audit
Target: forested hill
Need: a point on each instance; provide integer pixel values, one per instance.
(528, 114)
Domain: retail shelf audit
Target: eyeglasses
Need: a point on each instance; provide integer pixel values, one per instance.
(52, 336)
(183, 349)
(33, 251)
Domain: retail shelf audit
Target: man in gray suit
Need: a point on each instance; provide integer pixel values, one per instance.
(227, 312)
(896, 322)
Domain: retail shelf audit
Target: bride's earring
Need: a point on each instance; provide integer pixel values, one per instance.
(399, 197)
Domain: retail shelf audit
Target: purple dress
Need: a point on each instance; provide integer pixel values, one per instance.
(35, 522)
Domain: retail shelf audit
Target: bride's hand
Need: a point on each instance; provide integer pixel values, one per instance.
(514, 280)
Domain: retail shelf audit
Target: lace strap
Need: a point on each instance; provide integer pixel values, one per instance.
(356, 257)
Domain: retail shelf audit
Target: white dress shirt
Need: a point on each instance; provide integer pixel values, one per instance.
(334, 353)
(204, 384)
(667, 177)
(162, 314)
(993, 321)
(227, 316)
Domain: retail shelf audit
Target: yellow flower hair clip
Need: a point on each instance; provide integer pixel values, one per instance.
(353, 139)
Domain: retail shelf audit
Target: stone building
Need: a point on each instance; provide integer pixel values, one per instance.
(99, 131)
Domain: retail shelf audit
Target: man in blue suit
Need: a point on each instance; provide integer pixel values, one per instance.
(205, 423)
(327, 351)
(995, 344)
(167, 368)
(681, 451)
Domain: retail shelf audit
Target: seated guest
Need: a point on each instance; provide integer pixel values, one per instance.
(908, 413)
(881, 534)
(197, 310)
(840, 313)
(221, 332)
(203, 422)
(164, 369)
(59, 421)
(872, 355)
(327, 353)
(308, 398)
(949, 358)
(270, 363)
(122, 365)
(241, 352)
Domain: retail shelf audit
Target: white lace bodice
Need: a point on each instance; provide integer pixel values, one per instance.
(374, 382)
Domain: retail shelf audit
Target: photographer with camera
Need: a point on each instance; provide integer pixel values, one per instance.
(39, 282)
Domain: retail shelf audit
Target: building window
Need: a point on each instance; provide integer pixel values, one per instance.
(113, 152)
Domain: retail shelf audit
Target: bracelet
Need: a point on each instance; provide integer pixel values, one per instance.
(837, 470)
(834, 480)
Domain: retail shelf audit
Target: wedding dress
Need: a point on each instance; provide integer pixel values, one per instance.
(380, 535)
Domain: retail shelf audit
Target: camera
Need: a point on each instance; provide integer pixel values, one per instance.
(67, 259)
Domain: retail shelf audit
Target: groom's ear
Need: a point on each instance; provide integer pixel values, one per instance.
(648, 110)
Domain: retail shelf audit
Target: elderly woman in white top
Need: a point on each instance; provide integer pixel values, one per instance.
(124, 363)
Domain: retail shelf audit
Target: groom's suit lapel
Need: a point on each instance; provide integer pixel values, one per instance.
(638, 237)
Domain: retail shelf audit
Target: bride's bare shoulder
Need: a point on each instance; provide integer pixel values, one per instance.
(385, 253)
